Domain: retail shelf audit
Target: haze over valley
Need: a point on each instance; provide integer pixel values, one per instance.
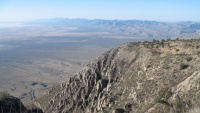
(44, 53)
(41, 56)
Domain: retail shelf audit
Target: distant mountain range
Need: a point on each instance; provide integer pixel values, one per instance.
(131, 28)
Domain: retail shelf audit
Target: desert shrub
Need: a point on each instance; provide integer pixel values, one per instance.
(177, 50)
(151, 44)
(154, 40)
(148, 65)
(128, 107)
(3, 95)
(145, 45)
(162, 92)
(165, 93)
(178, 104)
(198, 53)
(197, 47)
(188, 58)
(183, 66)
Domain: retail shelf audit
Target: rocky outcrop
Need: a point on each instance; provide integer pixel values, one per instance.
(136, 78)
(10, 104)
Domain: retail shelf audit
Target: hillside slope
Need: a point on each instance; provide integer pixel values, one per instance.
(149, 77)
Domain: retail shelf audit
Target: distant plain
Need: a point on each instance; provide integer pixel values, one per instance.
(37, 55)
(33, 58)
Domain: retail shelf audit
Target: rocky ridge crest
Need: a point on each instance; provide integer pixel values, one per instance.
(148, 77)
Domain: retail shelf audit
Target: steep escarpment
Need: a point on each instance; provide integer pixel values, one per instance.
(135, 77)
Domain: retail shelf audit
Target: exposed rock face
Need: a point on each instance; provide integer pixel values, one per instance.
(11, 104)
(135, 78)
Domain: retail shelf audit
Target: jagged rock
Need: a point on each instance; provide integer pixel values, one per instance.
(135, 78)
(10, 104)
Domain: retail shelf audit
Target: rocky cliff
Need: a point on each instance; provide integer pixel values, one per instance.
(10, 104)
(148, 77)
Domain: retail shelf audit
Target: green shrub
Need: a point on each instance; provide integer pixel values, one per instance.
(188, 58)
(165, 93)
(178, 104)
(149, 65)
(183, 66)
(198, 53)
(177, 50)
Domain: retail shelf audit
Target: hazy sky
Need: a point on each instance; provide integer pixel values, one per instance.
(159, 10)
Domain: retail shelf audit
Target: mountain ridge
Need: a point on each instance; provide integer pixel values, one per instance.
(135, 77)
(140, 29)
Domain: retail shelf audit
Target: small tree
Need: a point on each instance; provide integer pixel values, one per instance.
(162, 43)
(154, 40)
(163, 40)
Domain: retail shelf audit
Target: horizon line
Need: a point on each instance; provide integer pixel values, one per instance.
(165, 21)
